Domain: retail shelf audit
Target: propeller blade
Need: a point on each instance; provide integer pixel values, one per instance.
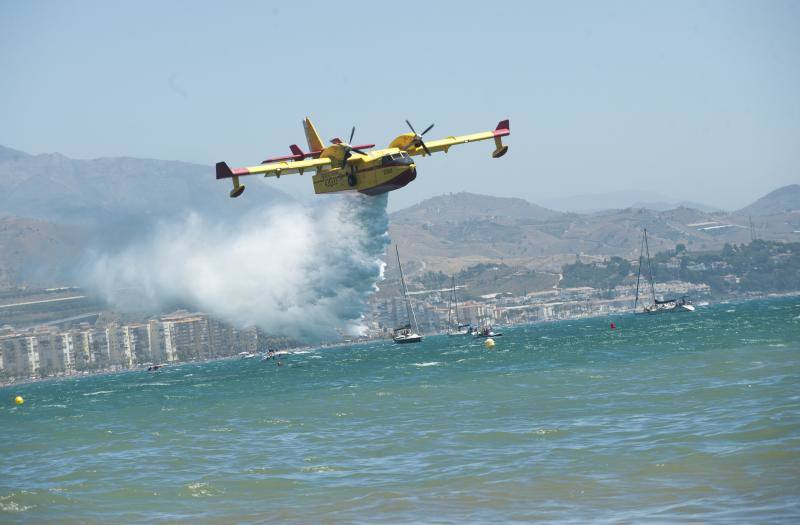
(425, 148)
(359, 151)
(353, 132)
(410, 126)
(426, 130)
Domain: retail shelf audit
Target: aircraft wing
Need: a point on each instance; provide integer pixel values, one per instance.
(272, 169)
(445, 144)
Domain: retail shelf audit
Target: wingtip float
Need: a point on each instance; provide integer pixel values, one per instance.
(341, 167)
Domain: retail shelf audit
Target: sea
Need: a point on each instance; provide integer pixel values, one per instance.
(691, 417)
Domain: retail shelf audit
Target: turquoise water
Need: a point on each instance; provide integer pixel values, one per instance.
(686, 417)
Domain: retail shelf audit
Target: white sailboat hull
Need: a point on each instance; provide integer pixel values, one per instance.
(668, 309)
(405, 339)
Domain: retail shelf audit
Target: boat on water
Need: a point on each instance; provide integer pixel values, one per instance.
(658, 306)
(408, 333)
(486, 331)
(454, 328)
(274, 354)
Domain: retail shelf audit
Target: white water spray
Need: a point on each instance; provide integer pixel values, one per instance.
(291, 270)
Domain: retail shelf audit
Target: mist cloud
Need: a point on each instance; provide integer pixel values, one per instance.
(304, 272)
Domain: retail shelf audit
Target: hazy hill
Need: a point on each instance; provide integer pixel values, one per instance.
(458, 207)
(10, 153)
(38, 252)
(615, 200)
(74, 203)
(452, 232)
(114, 191)
(782, 200)
(53, 208)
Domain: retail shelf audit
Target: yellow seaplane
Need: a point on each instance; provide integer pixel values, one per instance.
(342, 167)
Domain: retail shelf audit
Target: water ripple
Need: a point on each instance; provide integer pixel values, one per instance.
(669, 418)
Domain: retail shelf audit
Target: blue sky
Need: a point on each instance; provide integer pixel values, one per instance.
(693, 100)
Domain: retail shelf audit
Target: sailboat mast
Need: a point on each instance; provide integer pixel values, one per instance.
(450, 312)
(650, 267)
(639, 275)
(409, 311)
(455, 300)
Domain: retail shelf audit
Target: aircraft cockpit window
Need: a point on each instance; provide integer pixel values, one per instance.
(394, 157)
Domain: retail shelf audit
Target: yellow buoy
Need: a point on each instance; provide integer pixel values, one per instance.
(18, 400)
(489, 343)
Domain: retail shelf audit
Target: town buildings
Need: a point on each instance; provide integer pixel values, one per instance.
(186, 336)
(181, 336)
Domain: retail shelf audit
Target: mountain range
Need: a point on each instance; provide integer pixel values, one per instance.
(121, 191)
(450, 232)
(635, 198)
(53, 208)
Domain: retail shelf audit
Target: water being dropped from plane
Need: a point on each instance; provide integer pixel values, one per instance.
(300, 271)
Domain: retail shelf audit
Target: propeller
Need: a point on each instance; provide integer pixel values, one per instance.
(417, 140)
(348, 149)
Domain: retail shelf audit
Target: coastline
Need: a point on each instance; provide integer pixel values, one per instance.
(338, 344)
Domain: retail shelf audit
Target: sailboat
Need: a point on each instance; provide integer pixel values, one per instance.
(662, 306)
(453, 326)
(410, 332)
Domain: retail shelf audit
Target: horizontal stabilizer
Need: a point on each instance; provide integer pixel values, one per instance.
(297, 154)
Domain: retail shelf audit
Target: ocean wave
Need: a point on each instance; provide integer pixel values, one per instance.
(99, 393)
(203, 489)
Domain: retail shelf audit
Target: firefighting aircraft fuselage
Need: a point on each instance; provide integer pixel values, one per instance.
(341, 167)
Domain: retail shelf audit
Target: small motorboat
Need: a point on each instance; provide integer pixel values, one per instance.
(486, 331)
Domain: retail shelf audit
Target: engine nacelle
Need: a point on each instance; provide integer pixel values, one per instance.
(403, 142)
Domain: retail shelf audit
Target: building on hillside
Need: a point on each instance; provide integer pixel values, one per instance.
(186, 336)
(32, 354)
(99, 348)
(156, 342)
(77, 339)
(136, 344)
(226, 340)
(50, 354)
(113, 340)
(477, 313)
(66, 347)
(16, 356)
